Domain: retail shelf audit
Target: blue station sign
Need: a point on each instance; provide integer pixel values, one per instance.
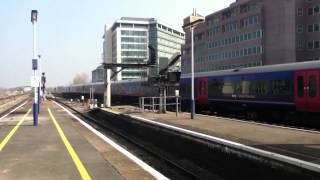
(34, 64)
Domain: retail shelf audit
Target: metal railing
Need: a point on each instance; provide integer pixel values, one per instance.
(160, 104)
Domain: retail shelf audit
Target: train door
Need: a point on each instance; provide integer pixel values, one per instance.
(202, 90)
(307, 91)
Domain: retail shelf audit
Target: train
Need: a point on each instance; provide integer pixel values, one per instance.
(123, 92)
(283, 88)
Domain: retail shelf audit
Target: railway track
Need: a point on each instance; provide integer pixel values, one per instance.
(169, 167)
(6, 108)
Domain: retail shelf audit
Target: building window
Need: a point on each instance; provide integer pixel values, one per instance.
(310, 28)
(316, 9)
(249, 51)
(241, 52)
(310, 44)
(237, 39)
(300, 44)
(310, 11)
(316, 44)
(133, 33)
(254, 35)
(133, 40)
(246, 37)
(245, 51)
(300, 28)
(316, 28)
(258, 34)
(259, 49)
(251, 20)
(254, 50)
(300, 12)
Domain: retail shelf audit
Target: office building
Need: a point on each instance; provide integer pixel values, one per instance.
(127, 40)
(254, 33)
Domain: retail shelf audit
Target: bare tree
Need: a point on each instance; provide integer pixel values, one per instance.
(81, 78)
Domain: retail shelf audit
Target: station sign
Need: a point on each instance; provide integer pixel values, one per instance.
(34, 64)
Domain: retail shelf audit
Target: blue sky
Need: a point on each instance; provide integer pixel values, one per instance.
(70, 32)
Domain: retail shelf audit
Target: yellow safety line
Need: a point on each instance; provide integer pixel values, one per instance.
(83, 172)
(8, 137)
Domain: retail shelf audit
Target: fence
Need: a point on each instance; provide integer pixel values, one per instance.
(160, 104)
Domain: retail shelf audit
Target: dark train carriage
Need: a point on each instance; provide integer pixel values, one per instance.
(129, 91)
(287, 87)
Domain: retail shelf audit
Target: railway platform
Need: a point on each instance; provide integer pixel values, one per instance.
(293, 143)
(58, 148)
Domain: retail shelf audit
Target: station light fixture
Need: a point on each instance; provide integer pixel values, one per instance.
(34, 16)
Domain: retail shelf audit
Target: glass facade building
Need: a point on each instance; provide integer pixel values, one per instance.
(127, 40)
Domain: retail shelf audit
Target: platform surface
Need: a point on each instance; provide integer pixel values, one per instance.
(302, 145)
(28, 152)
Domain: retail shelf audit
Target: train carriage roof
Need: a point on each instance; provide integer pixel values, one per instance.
(260, 69)
(88, 84)
(129, 81)
(102, 83)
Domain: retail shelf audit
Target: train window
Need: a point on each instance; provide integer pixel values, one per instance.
(281, 87)
(312, 86)
(245, 87)
(228, 87)
(215, 87)
(259, 87)
(238, 88)
(300, 86)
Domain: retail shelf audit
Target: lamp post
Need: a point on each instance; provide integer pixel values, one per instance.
(39, 75)
(192, 22)
(40, 67)
(193, 108)
(39, 82)
(34, 16)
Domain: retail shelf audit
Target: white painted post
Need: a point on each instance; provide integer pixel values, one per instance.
(90, 97)
(177, 102)
(34, 14)
(165, 100)
(192, 76)
(142, 104)
(39, 74)
(161, 101)
(107, 93)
